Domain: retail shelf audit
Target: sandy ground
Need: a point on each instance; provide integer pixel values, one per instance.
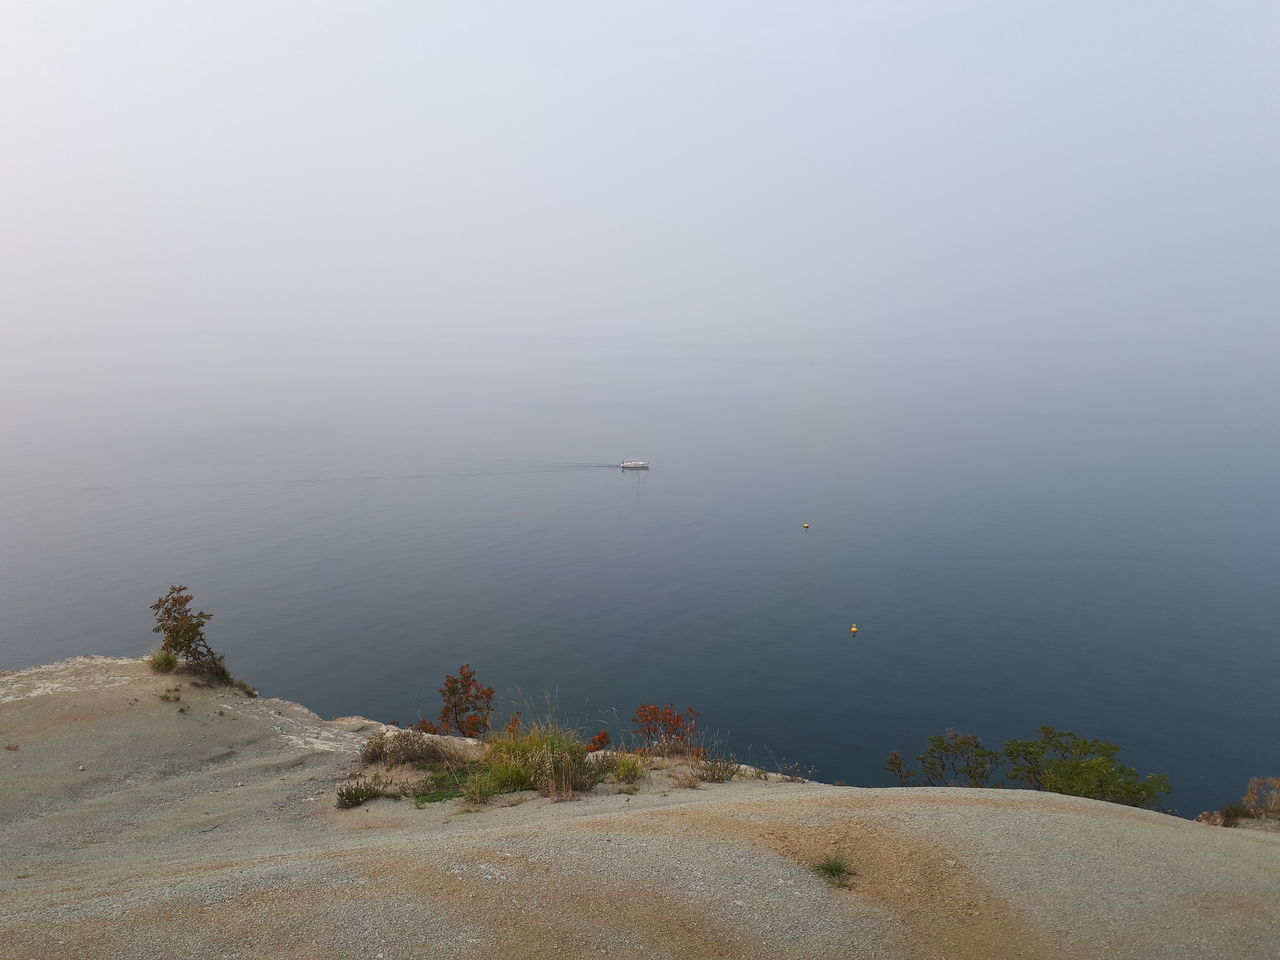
(129, 829)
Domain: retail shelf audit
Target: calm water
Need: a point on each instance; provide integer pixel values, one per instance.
(1084, 535)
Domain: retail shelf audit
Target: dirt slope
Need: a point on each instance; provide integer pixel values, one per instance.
(129, 829)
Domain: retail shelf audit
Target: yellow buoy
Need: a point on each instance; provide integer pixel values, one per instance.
(854, 628)
(806, 526)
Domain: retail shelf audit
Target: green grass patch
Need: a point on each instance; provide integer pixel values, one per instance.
(835, 870)
(439, 785)
(546, 758)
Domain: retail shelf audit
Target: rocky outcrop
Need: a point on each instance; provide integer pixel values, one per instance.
(142, 817)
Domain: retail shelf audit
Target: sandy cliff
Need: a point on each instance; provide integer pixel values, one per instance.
(129, 829)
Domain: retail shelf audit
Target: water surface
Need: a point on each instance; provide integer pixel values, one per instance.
(1080, 534)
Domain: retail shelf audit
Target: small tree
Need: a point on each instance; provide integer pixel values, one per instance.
(184, 633)
(467, 706)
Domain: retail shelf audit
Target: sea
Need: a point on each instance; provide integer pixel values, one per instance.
(1081, 533)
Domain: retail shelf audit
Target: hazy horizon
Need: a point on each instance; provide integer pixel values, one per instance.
(730, 172)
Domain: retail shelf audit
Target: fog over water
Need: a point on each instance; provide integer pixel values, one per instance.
(342, 314)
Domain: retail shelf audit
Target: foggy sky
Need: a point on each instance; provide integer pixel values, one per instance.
(677, 171)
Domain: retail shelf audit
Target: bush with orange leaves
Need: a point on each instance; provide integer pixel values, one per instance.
(663, 731)
(467, 706)
(599, 741)
(1263, 797)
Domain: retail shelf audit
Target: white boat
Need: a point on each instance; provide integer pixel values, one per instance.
(635, 464)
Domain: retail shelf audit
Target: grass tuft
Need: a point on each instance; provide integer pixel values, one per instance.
(241, 685)
(546, 758)
(718, 769)
(629, 768)
(835, 870)
(404, 747)
(163, 661)
(438, 786)
(362, 789)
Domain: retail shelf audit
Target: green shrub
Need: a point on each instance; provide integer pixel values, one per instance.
(1057, 762)
(1061, 762)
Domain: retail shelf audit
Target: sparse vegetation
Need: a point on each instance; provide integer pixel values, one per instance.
(163, 661)
(717, 769)
(1260, 802)
(397, 747)
(1233, 813)
(1262, 799)
(629, 768)
(185, 647)
(550, 759)
(835, 871)
(447, 783)
(794, 772)
(184, 633)
(686, 779)
(362, 789)
(547, 758)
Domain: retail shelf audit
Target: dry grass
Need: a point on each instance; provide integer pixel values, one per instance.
(163, 661)
(547, 758)
(686, 778)
(1263, 797)
(406, 747)
(629, 768)
(362, 789)
(718, 770)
